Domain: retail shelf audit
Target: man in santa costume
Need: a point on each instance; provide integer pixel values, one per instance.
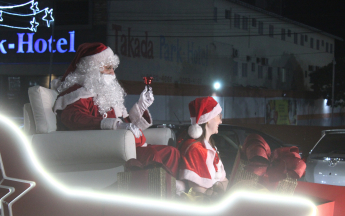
(200, 165)
(91, 98)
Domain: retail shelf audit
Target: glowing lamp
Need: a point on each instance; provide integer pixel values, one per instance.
(216, 85)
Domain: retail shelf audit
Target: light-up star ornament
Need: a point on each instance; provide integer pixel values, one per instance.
(34, 25)
(34, 7)
(50, 13)
(31, 5)
(5, 183)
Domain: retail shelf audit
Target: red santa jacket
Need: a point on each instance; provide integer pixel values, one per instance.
(77, 111)
(200, 164)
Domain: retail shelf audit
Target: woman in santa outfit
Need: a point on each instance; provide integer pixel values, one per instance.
(200, 165)
(91, 98)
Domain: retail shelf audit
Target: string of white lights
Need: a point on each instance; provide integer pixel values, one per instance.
(47, 17)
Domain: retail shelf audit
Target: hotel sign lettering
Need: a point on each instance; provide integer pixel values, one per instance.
(27, 43)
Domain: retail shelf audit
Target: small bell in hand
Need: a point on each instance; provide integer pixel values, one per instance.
(148, 81)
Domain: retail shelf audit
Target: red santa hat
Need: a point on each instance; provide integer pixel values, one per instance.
(87, 52)
(201, 111)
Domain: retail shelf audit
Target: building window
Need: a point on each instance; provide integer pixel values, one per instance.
(235, 68)
(13, 84)
(253, 67)
(302, 40)
(310, 67)
(289, 33)
(312, 43)
(271, 30)
(269, 73)
(237, 21)
(245, 23)
(227, 14)
(331, 48)
(283, 34)
(317, 44)
(306, 38)
(253, 22)
(326, 47)
(322, 43)
(244, 69)
(295, 38)
(317, 68)
(305, 74)
(261, 28)
(283, 75)
(215, 14)
(260, 74)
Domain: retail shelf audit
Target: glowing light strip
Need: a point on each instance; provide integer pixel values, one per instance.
(35, 11)
(150, 203)
(21, 5)
(32, 14)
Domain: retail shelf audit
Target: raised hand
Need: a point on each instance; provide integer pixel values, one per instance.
(146, 99)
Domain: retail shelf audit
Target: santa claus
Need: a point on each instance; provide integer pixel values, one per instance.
(91, 98)
(200, 165)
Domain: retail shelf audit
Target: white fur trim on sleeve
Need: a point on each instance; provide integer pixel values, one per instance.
(109, 123)
(136, 118)
(63, 101)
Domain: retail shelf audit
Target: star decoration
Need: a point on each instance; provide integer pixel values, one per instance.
(34, 25)
(50, 13)
(34, 7)
(6, 183)
(9, 190)
(1, 16)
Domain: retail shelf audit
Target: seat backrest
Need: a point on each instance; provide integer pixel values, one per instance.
(160, 136)
(42, 101)
(29, 121)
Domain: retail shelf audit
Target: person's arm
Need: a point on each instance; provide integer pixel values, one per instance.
(139, 114)
(78, 116)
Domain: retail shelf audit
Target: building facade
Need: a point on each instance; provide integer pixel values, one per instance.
(261, 60)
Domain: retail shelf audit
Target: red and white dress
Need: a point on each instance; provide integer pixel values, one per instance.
(200, 164)
(76, 111)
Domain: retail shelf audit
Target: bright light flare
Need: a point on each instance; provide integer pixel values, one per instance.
(216, 85)
(148, 203)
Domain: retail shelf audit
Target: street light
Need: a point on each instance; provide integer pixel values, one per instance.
(216, 85)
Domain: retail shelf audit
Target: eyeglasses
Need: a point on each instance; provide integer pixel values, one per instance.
(220, 115)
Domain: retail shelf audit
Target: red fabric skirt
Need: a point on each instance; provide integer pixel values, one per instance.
(166, 156)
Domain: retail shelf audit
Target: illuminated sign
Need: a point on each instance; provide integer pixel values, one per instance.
(27, 44)
(15, 11)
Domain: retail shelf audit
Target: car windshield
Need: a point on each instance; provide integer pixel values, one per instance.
(331, 143)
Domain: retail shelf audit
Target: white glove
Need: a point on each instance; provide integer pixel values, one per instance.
(109, 123)
(145, 100)
(129, 126)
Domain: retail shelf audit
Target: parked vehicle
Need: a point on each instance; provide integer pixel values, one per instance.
(326, 160)
(228, 140)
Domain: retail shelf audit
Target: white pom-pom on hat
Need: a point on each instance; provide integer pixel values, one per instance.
(195, 131)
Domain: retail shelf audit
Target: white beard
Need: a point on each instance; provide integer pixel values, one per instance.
(109, 93)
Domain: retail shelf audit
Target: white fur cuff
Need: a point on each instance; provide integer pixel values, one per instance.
(136, 118)
(109, 123)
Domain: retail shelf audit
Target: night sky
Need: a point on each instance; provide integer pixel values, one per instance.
(326, 15)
